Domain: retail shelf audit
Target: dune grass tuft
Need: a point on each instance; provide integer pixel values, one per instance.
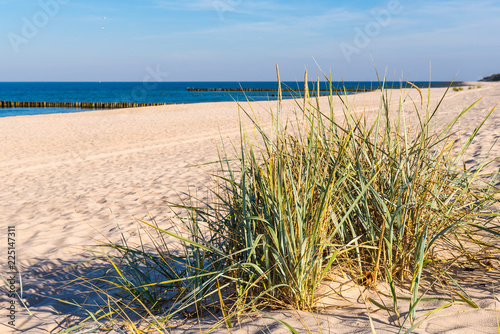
(320, 191)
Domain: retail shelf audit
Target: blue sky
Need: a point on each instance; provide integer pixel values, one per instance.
(241, 40)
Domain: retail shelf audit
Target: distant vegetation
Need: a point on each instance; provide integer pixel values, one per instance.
(458, 89)
(494, 77)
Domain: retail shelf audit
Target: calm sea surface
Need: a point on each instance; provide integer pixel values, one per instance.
(151, 92)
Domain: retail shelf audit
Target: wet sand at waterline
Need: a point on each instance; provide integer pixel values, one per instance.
(68, 180)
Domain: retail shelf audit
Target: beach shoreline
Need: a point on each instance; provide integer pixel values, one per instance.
(69, 179)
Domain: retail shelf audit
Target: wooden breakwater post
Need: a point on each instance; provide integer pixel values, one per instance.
(76, 105)
(189, 89)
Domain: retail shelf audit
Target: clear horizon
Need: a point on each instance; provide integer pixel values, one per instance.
(235, 40)
(215, 81)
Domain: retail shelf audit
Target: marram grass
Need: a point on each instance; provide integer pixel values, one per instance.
(323, 191)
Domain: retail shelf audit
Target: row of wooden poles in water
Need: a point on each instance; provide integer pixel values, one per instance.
(341, 89)
(115, 105)
(77, 105)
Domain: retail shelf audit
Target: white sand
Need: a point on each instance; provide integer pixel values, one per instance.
(66, 178)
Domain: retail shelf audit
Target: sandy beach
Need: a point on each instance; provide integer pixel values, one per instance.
(69, 180)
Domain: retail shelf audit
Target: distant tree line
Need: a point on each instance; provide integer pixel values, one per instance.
(494, 77)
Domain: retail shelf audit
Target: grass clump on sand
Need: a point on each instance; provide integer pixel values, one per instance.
(320, 191)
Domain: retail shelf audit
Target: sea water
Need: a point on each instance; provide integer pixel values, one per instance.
(159, 92)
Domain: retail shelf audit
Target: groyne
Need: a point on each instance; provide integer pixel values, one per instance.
(76, 105)
(267, 90)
